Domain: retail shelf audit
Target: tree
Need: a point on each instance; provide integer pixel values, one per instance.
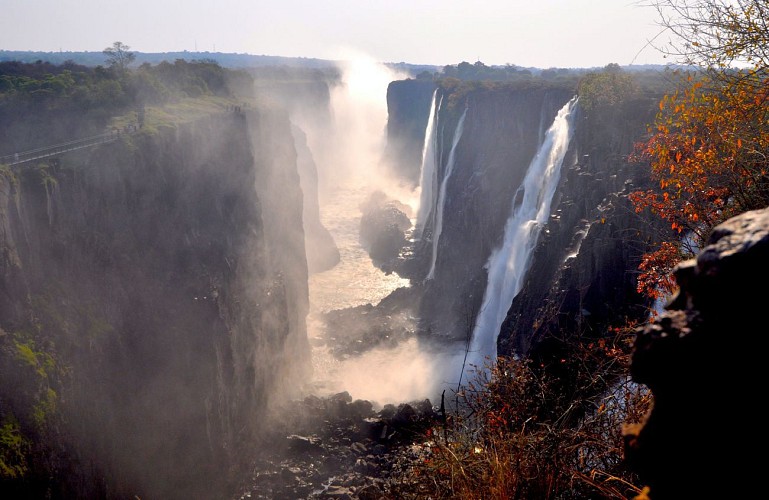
(709, 145)
(119, 57)
(716, 34)
(606, 88)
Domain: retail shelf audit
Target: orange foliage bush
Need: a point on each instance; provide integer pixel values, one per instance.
(708, 155)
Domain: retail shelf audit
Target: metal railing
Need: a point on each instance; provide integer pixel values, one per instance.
(57, 149)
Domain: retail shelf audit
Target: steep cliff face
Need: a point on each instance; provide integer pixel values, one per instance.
(152, 274)
(579, 278)
(408, 107)
(501, 133)
(308, 103)
(322, 252)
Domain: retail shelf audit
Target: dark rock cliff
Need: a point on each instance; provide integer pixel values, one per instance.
(308, 105)
(150, 305)
(502, 132)
(322, 252)
(696, 438)
(578, 278)
(581, 276)
(408, 108)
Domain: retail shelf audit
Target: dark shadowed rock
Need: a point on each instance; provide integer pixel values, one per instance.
(304, 444)
(408, 107)
(703, 375)
(382, 229)
(322, 252)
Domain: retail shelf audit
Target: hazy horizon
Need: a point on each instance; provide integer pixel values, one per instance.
(551, 33)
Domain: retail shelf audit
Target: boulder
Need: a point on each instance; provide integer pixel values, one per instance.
(700, 360)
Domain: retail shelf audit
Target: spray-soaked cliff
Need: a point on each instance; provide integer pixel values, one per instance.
(582, 272)
(485, 139)
(153, 293)
(479, 168)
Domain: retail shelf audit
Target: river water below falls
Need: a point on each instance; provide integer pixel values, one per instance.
(354, 281)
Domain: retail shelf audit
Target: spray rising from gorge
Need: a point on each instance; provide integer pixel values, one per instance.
(349, 156)
(350, 167)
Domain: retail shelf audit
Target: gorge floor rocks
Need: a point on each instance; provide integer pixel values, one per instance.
(337, 447)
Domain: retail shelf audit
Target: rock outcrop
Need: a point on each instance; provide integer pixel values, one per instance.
(696, 440)
(383, 227)
(338, 448)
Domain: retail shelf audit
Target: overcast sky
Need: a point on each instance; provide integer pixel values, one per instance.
(540, 33)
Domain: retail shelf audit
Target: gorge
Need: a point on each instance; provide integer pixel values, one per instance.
(163, 294)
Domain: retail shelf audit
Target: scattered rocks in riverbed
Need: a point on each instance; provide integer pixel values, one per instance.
(335, 447)
(353, 331)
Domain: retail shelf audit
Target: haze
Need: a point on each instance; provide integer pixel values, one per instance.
(546, 33)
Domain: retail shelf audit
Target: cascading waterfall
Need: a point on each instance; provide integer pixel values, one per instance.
(438, 227)
(508, 264)
(428, 177)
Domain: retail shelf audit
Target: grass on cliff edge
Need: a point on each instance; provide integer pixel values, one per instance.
(183, 110)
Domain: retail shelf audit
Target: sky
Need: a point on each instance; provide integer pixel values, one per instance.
(531, 33)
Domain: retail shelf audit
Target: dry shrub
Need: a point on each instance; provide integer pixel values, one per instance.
(545, 427)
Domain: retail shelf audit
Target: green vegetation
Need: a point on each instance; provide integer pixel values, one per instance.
(607, 88)
(604, 90)
(42, 103)
(28, 407)
(7, 172)
(508, 73)
(36, 378)
(14, 448)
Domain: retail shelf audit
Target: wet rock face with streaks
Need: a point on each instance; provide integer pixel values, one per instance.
(579, 279)
(337, 448)
(694, 437)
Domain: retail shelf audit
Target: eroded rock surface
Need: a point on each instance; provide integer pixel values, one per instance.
(703, 374)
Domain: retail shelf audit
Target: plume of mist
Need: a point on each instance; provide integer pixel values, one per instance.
(409, 371)
(349, 152)
(350, 149)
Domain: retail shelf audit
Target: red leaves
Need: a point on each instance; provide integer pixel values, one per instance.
(707, 152)
(656, 280)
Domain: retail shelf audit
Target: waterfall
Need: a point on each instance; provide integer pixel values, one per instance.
(428, 177)
(508, 264)
(442, 195)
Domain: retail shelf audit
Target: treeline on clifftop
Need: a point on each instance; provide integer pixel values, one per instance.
(43, 103)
